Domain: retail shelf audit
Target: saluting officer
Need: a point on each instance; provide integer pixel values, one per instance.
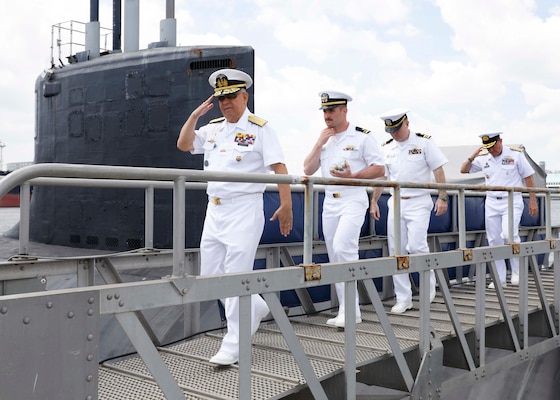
(244, 143)
(410, 158)
(343, 150)
(502, 166)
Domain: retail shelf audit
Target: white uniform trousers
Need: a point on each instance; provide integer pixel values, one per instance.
(496, 220)
(414, 220)
(230, 237)
(343, 218)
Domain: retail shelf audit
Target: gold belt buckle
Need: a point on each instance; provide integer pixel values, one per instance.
(336, 195)
(216, 201)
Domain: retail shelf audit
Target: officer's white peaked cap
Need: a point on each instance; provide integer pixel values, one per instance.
(226, 81)
(393, 119)
(331, 99)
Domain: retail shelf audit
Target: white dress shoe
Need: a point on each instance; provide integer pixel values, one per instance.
(492, 286)
(332, 321)
(401, 307)
(339, 320)
(223, 358)
(256, 321)
(515, 279)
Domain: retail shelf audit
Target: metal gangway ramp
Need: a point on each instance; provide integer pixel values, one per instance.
(275, 373)
(51, 338)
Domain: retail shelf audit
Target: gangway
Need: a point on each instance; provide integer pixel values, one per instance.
(52, 338)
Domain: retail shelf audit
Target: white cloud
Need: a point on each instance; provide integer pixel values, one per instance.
(507, 34)
(462, 67)
(463, 85)
(545, 102)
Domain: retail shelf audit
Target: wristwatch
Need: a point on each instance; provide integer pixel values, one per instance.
(443, 197)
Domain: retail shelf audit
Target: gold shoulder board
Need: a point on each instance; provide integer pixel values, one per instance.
(364, 130)
(217, 120)
(387, 142)
(423, 135)
(257, 120)
(515, 148)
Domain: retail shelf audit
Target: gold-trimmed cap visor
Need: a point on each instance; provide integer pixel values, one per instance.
(393, 126)
(489, 139)
(230, 88)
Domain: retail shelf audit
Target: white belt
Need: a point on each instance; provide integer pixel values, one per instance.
(230, 200)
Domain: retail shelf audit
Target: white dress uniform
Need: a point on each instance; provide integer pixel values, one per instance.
(344, 207)
(413, 160)
(507, 169)
(234, 217)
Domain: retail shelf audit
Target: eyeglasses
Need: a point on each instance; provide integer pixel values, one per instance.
(229, 96)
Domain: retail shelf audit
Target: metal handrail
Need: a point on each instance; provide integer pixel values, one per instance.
(59, 40)
(81, 175)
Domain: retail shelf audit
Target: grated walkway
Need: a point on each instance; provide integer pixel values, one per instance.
(275, 373)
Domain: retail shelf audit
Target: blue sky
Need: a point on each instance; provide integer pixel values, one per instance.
(462, 67)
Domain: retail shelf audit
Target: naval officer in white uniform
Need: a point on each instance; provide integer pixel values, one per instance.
(410, 158)
(244, 143)
(502, 166)
(343, 150)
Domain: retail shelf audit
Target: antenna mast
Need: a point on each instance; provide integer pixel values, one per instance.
(2, 145)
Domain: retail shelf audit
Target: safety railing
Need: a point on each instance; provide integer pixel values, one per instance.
(69, 37)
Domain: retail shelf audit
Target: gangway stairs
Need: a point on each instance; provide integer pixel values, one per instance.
(276, 375)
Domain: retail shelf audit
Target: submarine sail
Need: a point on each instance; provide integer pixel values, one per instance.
(123, 109)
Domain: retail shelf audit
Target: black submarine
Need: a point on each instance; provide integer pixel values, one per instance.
(122, 107)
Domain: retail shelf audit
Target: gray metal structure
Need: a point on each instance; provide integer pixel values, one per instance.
(52, 338)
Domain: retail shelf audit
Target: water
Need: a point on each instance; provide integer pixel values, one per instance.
(9, 216)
